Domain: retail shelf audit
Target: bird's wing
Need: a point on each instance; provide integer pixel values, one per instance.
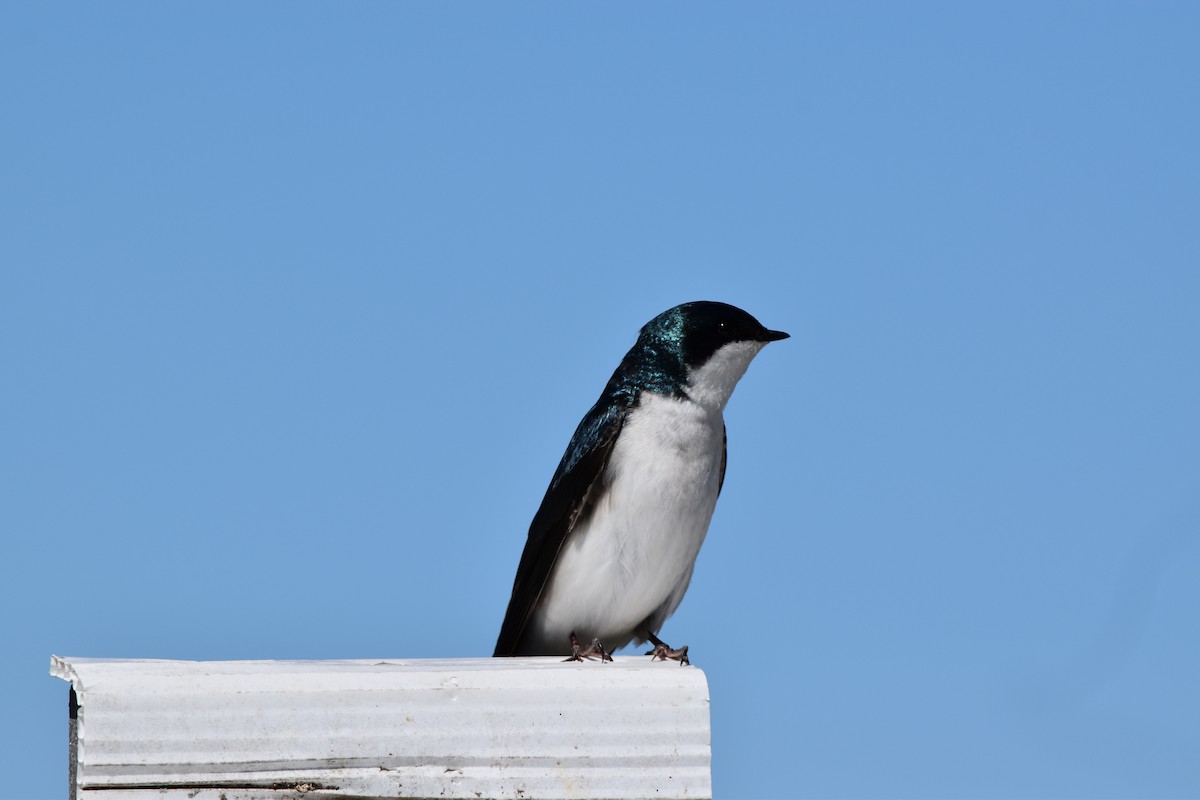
(724, 458)
(577, 484)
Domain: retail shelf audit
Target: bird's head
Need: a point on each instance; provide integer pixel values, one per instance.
(713, 342)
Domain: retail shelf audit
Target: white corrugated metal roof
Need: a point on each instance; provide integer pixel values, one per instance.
(472, 728)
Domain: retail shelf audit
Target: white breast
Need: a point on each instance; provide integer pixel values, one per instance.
(628, 565)
(632, 559)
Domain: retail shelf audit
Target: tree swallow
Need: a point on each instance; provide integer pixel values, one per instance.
(611, 550)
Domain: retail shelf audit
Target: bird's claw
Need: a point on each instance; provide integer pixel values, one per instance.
(663, 651)
(593, 650)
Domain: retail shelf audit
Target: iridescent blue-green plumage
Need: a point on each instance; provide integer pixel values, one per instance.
(655, 363)
(679, 338)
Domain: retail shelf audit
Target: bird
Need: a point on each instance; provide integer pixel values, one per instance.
(611, 549)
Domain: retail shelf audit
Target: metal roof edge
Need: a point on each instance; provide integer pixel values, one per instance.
(389, 728)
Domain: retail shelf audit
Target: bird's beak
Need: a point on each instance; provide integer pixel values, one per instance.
(774, 336)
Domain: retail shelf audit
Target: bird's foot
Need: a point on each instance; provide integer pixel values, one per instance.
(593, 650)
(663, 651)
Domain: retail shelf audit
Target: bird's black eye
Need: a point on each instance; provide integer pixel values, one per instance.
(724, 330)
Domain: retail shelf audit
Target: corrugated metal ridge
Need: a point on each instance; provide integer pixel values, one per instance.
(470, 728)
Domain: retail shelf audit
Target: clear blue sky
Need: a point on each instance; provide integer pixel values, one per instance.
(300, 303)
